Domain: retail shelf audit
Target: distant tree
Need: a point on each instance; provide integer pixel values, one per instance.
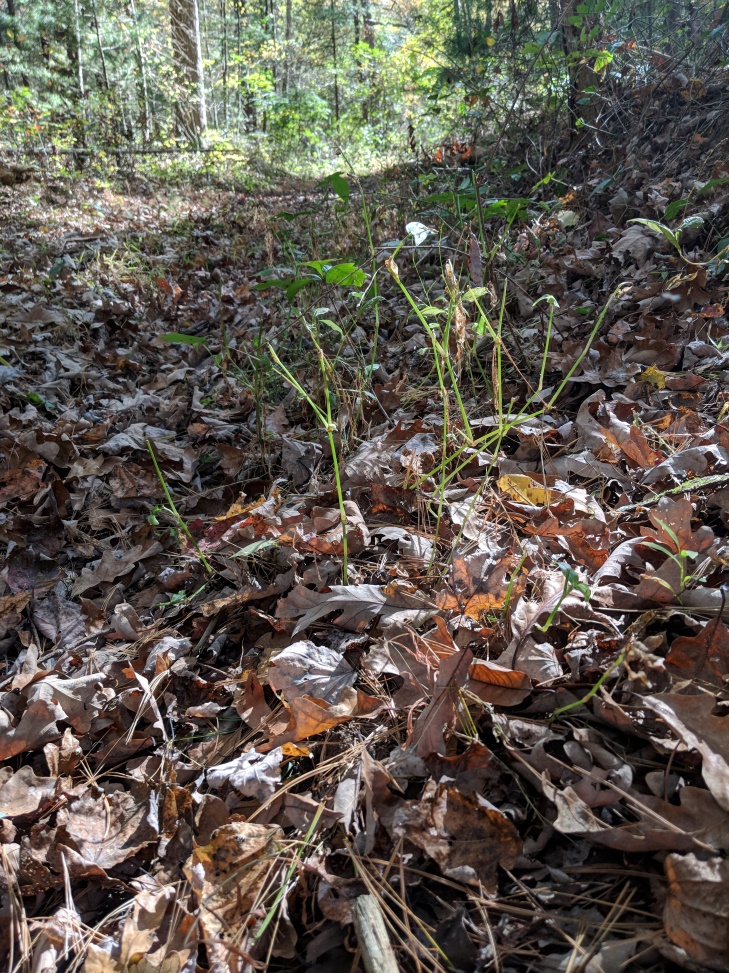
(188, 60)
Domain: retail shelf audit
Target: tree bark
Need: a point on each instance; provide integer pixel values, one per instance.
(102, 56)
(142, 65)
(224, 59)
(188, 60)
(581, 105)
(287, 38)
(205, 43)
(334, 60)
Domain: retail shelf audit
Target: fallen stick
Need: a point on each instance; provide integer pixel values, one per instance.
(377, 952)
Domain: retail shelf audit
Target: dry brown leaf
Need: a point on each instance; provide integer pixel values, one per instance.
(309, 716)
(440, 713)
(358, 606)
(703, 658)
(96, 833)
(696, 913)
(467, 839)
(22, 792)
(692, 720)
(227, 877)
(498, 685)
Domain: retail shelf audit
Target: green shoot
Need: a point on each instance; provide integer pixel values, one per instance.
(172, 509)
(327, 422)
(571, 583)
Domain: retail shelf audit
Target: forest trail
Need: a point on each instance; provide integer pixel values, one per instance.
(337, 568)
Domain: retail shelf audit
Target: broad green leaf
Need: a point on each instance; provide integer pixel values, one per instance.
(345, 274)
(691, 223)
(295, 286)
(333, 325)
(660, 228)
(338, 184)
(256, 547)
(473, 293)
(674, 208)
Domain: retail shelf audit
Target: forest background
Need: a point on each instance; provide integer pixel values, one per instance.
(299, 82)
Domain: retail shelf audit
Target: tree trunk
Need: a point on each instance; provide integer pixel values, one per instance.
(205, 43)
(288, 38)
(142, 65)
(188, 60)
(79, 58)
(334, 60)
(102, 56)
(368, 27)
(581, 104)
(5, 40)
(368, 36)
(224, 60)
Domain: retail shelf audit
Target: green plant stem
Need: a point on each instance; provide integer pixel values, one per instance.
(289, 873)
(600, 682)
(440, 355)
(180, 522)
(329, 426)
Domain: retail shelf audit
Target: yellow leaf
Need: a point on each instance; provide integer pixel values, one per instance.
(524, 489)
(291, 750)
(654, 376)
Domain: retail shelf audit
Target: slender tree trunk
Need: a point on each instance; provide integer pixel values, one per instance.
(142, 65)
(205, 42)
(273, 26)
(79, 49)
(368, 27)
(368, 36)
(224, 61)
(581, 104)
(102, 56)
(188, 60)
(4, 40)
(334, 62)
(288, 38)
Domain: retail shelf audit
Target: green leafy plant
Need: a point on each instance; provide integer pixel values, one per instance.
(680, 557)
(571, 583)
(674, 236)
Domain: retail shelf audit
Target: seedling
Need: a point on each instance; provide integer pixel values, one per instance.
(571, 583)
(680, 558)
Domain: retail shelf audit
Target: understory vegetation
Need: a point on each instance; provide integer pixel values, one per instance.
(364, 486)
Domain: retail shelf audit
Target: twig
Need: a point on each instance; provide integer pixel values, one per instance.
(377, 952)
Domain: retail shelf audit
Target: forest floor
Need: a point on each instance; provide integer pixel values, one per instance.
(507, 719)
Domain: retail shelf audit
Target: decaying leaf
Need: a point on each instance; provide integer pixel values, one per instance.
(228, 877)
(697, 908)
(465, 837)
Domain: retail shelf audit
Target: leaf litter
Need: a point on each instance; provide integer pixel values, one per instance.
(508, 720)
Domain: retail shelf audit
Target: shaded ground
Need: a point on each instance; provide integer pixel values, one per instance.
(510, 724)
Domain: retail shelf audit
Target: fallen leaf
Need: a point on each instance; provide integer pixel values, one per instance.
(228, 876)
(467, 839)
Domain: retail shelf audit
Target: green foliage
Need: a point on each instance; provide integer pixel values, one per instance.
(300, 82)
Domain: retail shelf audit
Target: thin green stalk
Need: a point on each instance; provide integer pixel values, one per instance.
(523, 415)
(600, 682)
(327, 422)
(171, 503)
(289, 874)
(440, 355)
